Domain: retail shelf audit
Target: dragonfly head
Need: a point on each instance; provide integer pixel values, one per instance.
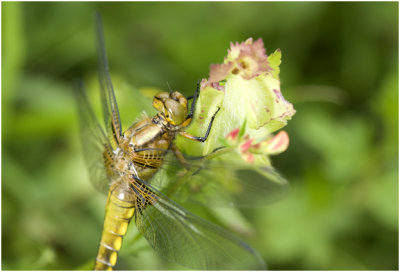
(172, 106)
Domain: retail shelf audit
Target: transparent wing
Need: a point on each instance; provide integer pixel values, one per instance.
(186, 239)
(222, 181)
(110, 108)
(94, 141)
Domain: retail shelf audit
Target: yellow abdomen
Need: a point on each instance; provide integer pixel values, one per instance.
(120, 208)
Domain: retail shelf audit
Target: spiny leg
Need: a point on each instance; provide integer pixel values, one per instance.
(179, 155)
(194, 97)
(197, 138)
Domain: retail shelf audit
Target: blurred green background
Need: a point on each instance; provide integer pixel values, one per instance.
(339, 69)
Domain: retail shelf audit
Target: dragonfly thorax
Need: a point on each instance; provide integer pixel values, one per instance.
(122, 163)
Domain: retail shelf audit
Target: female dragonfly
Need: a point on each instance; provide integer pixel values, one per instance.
(124, 164)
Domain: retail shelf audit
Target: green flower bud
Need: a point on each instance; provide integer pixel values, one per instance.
(247, 89)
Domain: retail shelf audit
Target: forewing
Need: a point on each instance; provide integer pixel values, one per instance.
(94, 141)
(110, 108)
(186, 239)
(221, 181)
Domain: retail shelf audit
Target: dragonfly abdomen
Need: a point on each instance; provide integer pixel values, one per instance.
(119, 211)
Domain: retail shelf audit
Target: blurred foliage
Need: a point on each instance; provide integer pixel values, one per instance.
(339, 68)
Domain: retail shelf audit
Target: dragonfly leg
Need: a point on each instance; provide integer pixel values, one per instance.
(179, 156)
(197, 138)
(189, 117)
(194, 97)
(217, 152)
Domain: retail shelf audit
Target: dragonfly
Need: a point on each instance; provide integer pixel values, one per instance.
(125, 165)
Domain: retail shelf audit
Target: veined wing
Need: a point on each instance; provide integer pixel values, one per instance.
(225, 180)
(110, 108)
(186, 239)
(94, 141)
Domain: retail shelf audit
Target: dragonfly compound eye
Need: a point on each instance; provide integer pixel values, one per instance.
(179, 97)
(158, 101)
(172, 105)
(176, 112)
(162, 95)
